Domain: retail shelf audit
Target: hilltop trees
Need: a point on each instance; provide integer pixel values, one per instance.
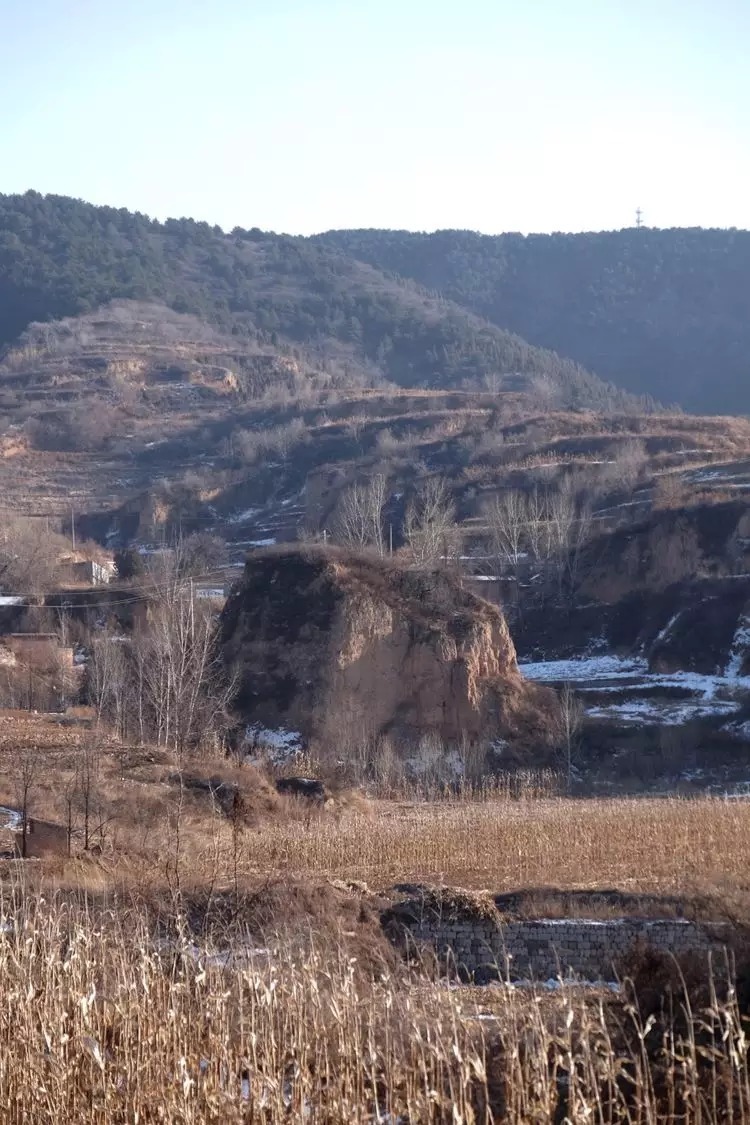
(663, 313)
(60, 257)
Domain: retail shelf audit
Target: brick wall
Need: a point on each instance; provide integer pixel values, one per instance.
(545, 949)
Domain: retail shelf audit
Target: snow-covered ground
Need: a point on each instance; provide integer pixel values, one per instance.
(270, 542)
(244, 517)
(585, 669)
(10, 818)
(738, 650)
(277, 746)
(625, 690)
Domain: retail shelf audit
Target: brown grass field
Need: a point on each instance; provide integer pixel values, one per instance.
(115, 1007)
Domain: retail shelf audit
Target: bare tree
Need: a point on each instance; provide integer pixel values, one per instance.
(538, 527)
(108, 680)
(201, 553)
(29, 556)
(237, 820)
(569, 727)
(179, 668)
(544, 392)
(359, 514)
(631, 460)
(669, 491)
(569, 522)
(508, 521)
(546, 529)
(429, 525)
(87, 785)
(26, 772)
(68, 793)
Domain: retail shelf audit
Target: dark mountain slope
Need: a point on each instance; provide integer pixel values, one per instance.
(663, 312)
(60, 257)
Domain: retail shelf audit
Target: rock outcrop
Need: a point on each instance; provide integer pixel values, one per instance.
(344, 648)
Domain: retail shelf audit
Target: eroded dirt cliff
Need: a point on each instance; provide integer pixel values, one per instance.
(345, 648)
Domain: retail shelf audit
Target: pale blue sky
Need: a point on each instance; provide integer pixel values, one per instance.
(301, 115)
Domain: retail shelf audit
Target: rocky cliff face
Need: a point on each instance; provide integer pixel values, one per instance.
(343, 648)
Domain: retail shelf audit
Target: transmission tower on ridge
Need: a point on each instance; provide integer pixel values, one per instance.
(638, 218)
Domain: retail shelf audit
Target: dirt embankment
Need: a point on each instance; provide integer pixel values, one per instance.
(707, 541)
(345, 648)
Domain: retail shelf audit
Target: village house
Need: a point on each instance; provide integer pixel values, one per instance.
(87, 572)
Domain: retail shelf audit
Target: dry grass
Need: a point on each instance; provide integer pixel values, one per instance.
(103, 1021)
(644, 845)
(111, 1012)
(488, 840)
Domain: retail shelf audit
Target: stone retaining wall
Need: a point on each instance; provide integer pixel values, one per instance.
(546, 949)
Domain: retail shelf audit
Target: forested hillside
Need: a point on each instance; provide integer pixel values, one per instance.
(60, 257)
(662, 312)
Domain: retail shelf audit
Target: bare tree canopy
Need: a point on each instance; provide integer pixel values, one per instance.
(430, 530)
(29, 556)
(358, 519)
(545, 530)
(168, 681)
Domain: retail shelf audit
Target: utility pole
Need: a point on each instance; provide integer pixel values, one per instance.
(73, 527)
(638, 218)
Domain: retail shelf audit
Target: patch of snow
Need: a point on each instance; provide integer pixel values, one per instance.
(556, 983)
(586, 669)
(718, 475)
(614, 675)
(242, 517)
(738, 648)
(261, 542)
(616, 507)
(578, 922)
(10, 818)
(664, 633)
(739, 730)
(239, 957)
(243, 956)
(11, 599)
(436, 761)
(661, 713)
(277, 745)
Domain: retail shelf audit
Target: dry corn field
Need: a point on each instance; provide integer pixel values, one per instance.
(113, 1008)
(632, 844)
(102, 1022)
